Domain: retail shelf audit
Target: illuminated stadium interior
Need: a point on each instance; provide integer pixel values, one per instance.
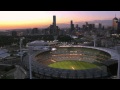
(71, 53)
(73, 62)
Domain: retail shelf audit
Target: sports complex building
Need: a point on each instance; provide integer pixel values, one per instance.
(71, 62)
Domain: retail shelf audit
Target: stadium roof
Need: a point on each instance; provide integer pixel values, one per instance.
(3, 53)
(38, 43)
(52, 43)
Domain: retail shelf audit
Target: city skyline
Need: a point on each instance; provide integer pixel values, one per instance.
(40, 19)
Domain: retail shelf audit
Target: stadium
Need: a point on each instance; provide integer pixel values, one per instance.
(71, 62)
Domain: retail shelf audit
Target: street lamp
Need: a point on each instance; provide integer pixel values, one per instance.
(30, 49)
(21, 39)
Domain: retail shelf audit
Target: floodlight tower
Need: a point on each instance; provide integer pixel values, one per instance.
(94, 39)
(21, 54)
(118, 71)
(30, 50)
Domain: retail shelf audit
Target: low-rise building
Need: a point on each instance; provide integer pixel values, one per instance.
(39, 45)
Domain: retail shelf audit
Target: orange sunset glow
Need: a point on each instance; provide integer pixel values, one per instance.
(39, 19)
(23, 24)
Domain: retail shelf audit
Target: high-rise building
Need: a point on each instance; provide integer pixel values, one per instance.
(83, 26)
(93, 26)
(53, 29)
(77, 27)
(54, 20)
(100, 26)
(87, 26)
(90, 26)
(118, 27)
(115, 23)
(86, 23)
(119, 24)
(71, 23)
(54, 25)
(72, 27)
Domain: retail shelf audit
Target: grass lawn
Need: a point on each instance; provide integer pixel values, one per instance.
(74, 65)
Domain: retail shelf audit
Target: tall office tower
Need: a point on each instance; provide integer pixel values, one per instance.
(54, 20)
(53, 29)
(54, 25)
(72, 27)
(83, 26)
(118, 27)
(90, 27)
(77, 27)
(87, 26)
(93, 26)
(119, 24)
(100, 26)
(86, 23)
(71, 23)
(115, 24)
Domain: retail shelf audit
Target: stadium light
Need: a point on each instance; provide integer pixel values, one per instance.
(21, 39)
(118, 68)
(30, 59)
(118, 51)
(94, 37)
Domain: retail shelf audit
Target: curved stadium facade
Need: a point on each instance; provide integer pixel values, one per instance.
(42, 60)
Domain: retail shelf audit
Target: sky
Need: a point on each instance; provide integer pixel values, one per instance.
(39, 19)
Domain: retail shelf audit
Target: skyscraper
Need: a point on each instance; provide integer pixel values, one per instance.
(115, 23)
(72, 27)
(118, 27)
(100, 26)
(87, 26)
(54, 20)
(77, 27)
(54, 25)
(119, 24)
(71, 23)
(53, 29)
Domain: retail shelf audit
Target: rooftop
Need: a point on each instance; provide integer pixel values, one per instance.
(38, 43)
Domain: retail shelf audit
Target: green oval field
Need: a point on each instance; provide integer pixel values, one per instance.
(73, 65)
